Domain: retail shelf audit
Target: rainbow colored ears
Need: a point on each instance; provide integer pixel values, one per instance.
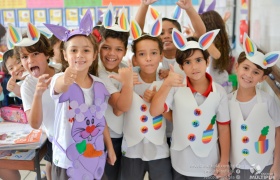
(210, 7)
(175, 15)
(1, 57)
(257, 57)
(203, 43)
(85, 28)
(154, 31)
(15, 37)
(109, 20)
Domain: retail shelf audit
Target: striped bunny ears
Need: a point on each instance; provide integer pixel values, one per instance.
(154, 30)
(203, 43)
(257, 57)
(175, 14)
(109, 20)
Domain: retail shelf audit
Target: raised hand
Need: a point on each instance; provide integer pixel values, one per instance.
(12, 82)
(163, 73)
(42, 84)
(148, 2)
(149, 94)
(189, 30)
(70, 76)
(174, 79)
(125, 75)
(184, 4)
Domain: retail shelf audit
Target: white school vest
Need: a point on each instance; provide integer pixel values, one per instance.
(245, 134)
(138, 123)
(114, 122)
(190, 122)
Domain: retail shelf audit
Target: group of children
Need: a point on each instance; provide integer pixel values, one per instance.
(174, 122)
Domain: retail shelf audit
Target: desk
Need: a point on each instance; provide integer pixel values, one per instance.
(32, 165)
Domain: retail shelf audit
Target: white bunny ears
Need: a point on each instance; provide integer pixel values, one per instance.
(154, 30)
(109, 20)
(203, 43)
(257, 57)
(174, 15)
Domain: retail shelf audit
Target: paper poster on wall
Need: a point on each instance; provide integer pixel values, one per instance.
(12, 4)
(72, 17)
(9, 17)
(55, 16)
(44, 3)
(83, 3)
(92, 10)
(120, 2)
(24, 17)
(40, 17)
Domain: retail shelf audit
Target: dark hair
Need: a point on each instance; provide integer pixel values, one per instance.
(93, 69)
(53, 40)
(242, 57)
(147, 37)
(213, 20)
(181, 56)
(42, 46)
(174, 22)
(122, 36)
(8, 54)
(2, 31)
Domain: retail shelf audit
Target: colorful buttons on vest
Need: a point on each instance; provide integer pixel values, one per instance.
(245, 139)
(144, 129)
(245, 152)
(143, 107)
(197, 112)
(144, 118)
(244, 127)
(195, 123)
(191, 137)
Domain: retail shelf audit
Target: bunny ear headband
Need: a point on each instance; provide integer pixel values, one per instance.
(210, 7)
(154, 31)
(203, 43)
(257, 57)
(175, 15)
(15, 37)
(109, 20)
(85, 28)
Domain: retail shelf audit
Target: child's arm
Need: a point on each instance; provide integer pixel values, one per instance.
(63, 82)
(109, 146)
(214, 52)
(196, 21)
(35, 114)
(142, 11)
(158, 101)
(222, 169)
(275, 169)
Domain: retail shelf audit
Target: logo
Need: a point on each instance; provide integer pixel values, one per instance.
(255, 169)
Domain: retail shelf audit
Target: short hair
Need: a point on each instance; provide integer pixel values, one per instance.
(53, 40)
(181, 56)
(122, 36)
(8, 54)
(242, 57)
(174, 22)
(147, 37)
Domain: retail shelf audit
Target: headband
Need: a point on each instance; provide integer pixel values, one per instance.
(203, 43)
(257, 57)
(85, 28)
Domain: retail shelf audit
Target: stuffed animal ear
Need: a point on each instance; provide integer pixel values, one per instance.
(206, 39)
(108, 17)
(177, 13)
(135, 30)
(156, 27)
(86, 24)
(201, 7)
(270, 59)
(59, 31)
(248, 46)
(179, 40)
(123, 21)
(14, 36)
(212, 6)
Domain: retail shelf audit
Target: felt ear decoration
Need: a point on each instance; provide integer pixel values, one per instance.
(176, 14)
(210, 7)
(15, 37)
(203, 43)
(257, 57)
(109, 20)
(85, 28)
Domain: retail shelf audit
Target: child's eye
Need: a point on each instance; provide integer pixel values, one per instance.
(36, 53)
(246, 68)
(18, 62)
(105, 47)
(256, 72)
(198, 60)
(73, 50)
(87, 50)
(119, 49)
(154, 53)
(10, 69)
(186, 62)
(141, 54)
(23, 57)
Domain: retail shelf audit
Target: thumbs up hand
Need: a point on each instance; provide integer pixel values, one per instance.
(149, 94)
(174, 79)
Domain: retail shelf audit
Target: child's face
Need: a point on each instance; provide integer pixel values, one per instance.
(79, 53)
(248, 75)
(112, 51)
(166, 37)
(147, 56)
(35, 63)
(56, 50)
(15, 68)
(195, 66)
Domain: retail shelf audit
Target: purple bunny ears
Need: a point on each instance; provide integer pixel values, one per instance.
(210, 7)
(85, 28)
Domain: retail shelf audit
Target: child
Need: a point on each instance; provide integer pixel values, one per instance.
(218, 63)
(80, 99)
(34, 51)
(144, 145)
(194, 150)
(56, 59)
(255, 117)
(112, 50)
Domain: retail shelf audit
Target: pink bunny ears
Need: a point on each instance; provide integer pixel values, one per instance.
(203, 43)
(257, 57)
(154, 31)
(109, 20)
(210, 7)
(85, 28)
